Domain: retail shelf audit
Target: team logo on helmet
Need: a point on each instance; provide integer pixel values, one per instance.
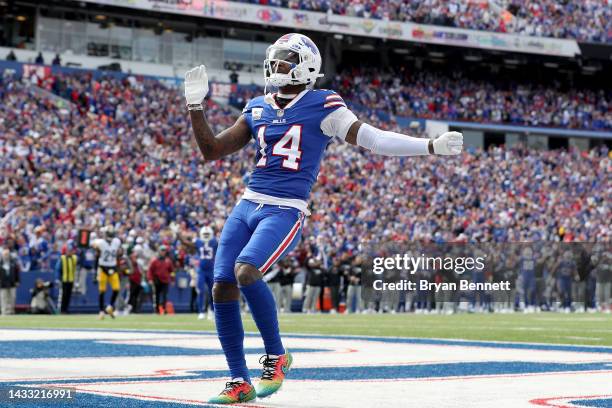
(306, 41)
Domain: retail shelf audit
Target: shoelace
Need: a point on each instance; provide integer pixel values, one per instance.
(229, 386)
(269, 367)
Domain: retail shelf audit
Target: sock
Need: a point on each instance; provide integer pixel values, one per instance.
(231, 336)
(101, 301)
(114, 297)
(263, 308)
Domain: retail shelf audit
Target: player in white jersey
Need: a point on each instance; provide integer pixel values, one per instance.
(109, 250)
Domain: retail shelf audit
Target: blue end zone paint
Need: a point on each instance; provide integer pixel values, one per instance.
(596, 403)
(101, 348)
(410, 340)
(443, 370)
(94, 348)
(85, 400)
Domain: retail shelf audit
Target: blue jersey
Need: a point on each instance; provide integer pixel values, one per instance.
(206, 251)
(527, 264)
(290, 143)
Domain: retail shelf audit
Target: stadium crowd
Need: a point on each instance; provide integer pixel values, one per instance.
(126, 157)
(426, 94)
(583, 20)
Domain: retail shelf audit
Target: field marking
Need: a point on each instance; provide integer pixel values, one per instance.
(374, 380)
(168, 399)
(545, 401)
(400, 339)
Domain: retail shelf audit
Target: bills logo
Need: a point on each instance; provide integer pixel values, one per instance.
(306, 41)
(300, 18)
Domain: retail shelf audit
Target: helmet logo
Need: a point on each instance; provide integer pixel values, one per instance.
(306, 41)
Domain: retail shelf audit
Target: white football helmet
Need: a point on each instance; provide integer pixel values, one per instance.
(206, 233)
(301, 53)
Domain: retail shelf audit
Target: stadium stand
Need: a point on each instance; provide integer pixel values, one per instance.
(589, 20)
(125, 156)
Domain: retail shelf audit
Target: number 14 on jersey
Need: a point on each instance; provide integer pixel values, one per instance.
(287, 147)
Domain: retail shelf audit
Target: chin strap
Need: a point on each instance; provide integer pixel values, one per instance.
(285, 96)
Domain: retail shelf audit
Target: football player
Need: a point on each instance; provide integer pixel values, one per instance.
(291, 130)
(205, 248)
(109, 249)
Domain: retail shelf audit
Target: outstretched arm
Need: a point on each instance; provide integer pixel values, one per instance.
(212, 147)
(343, 123)
(396, 144)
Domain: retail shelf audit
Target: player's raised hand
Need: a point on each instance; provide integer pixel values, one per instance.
(448, 143)
(196, 85)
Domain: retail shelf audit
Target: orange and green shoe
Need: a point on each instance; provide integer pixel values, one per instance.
(235, 392)
(274, 371)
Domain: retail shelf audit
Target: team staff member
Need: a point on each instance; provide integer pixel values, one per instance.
(109, 250)
(159, 275)
(9, 280)
(65, 271)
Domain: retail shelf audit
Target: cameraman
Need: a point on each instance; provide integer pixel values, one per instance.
(41, 302)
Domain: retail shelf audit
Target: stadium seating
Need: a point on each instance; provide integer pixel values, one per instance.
(126, 154)
(589, 21)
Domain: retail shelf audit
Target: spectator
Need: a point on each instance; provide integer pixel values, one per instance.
(135, 277)
(332, 281)
(603, 274)
(272, 278)
(39, 59)
(9, 281)
(579, 19)
(57, 60)
(11, 56)
(314, 281)
(286, 282)
(354, 302)
(160, 275)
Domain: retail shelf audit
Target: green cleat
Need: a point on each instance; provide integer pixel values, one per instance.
(273, 375)
(235, 392)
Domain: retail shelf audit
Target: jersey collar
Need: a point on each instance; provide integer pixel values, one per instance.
(269, 99)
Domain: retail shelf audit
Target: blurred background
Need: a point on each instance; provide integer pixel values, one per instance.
(94, 133)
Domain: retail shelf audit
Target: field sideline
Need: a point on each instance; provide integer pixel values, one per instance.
(581, 329)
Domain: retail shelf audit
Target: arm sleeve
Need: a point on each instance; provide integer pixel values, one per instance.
(338, 123)
(390, 143)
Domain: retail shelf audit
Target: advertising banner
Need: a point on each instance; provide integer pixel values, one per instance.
(309, 20)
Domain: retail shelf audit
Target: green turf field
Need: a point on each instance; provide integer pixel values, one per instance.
(586, 329)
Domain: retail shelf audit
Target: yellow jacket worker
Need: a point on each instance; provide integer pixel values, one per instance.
(65, 271)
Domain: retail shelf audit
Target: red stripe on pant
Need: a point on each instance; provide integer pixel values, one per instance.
(279, 251)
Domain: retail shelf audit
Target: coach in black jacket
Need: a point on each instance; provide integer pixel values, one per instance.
(9, 280)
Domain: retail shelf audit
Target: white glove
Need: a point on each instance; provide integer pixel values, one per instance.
(196, 85)
(448, 143)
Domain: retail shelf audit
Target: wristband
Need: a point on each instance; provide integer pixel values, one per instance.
(430, 146)
(195, 107)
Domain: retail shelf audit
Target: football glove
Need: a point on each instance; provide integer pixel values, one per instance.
(196, 85)
(448, 143)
